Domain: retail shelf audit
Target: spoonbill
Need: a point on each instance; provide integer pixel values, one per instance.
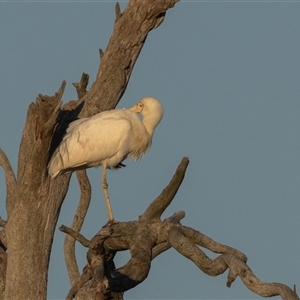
(107, 139)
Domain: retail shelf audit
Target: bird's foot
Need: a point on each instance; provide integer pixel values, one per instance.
(110, 223)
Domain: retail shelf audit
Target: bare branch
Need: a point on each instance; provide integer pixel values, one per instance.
(176, 217)
(101, 53)
(203, 240)
(188, 249)
(160, 248)
(158, 206)
(81, 86)
(183, 241)
(69, 244)
(11, 184)
(237, 267)
(118, 11)
(147, 238)
(76, 235)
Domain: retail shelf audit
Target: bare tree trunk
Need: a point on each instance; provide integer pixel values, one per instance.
(37, 199)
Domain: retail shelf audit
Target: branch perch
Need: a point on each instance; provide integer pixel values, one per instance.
(158, 206)
(148, 237)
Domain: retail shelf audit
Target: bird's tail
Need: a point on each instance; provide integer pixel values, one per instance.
(55, 164)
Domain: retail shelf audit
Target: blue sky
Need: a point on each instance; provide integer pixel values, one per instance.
(227, 73)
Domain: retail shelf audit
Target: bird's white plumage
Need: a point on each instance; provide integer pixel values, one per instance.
(107, 138)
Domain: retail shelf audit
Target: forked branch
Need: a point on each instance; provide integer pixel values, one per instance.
(147, 238)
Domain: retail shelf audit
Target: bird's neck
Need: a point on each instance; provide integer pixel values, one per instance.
(150, 123)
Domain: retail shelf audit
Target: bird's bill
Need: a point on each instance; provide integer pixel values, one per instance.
(137, 107)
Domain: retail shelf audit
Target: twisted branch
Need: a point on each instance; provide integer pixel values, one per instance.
(148, 237)
(183, 239)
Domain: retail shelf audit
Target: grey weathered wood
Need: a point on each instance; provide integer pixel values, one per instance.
(149, 237)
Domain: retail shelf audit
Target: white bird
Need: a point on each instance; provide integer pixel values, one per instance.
(107, 139)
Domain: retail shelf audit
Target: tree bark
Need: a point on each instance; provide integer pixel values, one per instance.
(31, 224)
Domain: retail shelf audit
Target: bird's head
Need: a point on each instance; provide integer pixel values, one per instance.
(151, 110)
(148, 106)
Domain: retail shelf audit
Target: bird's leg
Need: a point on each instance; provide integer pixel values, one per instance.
(111, 219)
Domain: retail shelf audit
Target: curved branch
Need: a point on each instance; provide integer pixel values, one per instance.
(233, 259)
(144, 240)
(158, 206)
(188, 249)
(69, 244)
(75, 235)
(203, 240)
(147, 238)
(11, 183)
(237, 267)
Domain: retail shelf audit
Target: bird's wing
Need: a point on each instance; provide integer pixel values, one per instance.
(114, 113)
(105, 138)
(97, 139)
(75, 124)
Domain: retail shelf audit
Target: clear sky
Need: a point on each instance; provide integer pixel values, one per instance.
(227, 73)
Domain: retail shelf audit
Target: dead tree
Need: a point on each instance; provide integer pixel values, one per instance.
(33, 198)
